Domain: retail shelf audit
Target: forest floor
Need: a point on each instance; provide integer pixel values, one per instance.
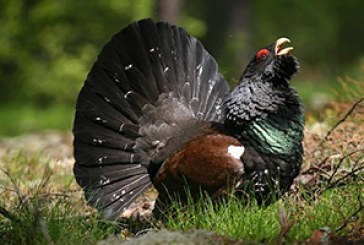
(40, 200)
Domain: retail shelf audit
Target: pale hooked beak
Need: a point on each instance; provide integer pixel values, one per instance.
(279, 49)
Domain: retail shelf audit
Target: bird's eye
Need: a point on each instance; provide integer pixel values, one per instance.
(262, 54)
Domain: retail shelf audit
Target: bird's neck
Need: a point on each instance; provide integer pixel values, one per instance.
(266, 117)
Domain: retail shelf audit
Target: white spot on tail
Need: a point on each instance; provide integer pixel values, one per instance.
(128, 67)
(121, 127)
(127, 94)
(236, 151)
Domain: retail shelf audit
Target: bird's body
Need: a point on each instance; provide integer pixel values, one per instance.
(204, 163)
(155, 110)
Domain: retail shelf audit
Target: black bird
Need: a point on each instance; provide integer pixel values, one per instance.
(155, 110)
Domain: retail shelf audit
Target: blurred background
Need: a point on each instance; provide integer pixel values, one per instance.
(47, 47)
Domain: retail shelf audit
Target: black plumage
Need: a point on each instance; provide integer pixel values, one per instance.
(154, 109)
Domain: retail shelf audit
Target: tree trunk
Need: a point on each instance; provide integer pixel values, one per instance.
(228, 33)
(169, 10)
(241, 23)
(224, 17)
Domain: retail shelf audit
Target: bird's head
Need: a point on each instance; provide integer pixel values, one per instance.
(272, 63)
(263, 89)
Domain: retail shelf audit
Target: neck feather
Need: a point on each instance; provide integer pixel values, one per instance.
(269, 118)
(275, 134)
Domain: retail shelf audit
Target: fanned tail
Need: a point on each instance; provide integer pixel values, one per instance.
(150, 85)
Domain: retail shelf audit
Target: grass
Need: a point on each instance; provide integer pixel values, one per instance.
(251, 222)
(232, 217)
(43, 204)
(60, 224)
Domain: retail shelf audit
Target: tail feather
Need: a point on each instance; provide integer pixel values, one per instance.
(98, 135)
(96, 110)
(111, 199)
(111, 94)
(149, 92)
(108, 174)
(214, 102)
(111, 192)
(129, 46)
(95, 155)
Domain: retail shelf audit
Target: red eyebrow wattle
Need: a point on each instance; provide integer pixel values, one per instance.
(262, 52)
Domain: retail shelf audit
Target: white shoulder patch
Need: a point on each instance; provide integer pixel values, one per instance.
(236, 151)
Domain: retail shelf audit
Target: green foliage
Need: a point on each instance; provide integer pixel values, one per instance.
(18, 119)
(321, 30)
(47, 47)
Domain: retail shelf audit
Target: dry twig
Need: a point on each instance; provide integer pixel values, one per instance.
(340, 163)
(346, 176)
(13, 182)
(284, 224)
(8, 215)
(343, 119)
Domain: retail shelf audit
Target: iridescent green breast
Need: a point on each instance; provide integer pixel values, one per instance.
(276, 135)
